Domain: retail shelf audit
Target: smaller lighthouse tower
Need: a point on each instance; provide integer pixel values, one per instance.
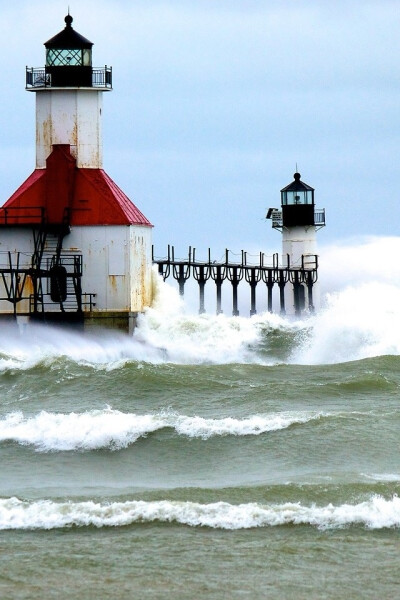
(298, 220)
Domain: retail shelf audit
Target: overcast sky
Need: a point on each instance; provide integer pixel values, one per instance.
(214, 103)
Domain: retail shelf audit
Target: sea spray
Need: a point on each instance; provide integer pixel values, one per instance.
(359, 322)
(165, 334)
(360, 318)
(355, 261)
(44, 345)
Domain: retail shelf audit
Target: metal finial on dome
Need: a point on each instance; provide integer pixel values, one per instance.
(297, 176)
(68, 19)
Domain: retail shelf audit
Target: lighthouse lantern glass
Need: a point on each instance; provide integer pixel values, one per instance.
(297, 197)
(57, 57)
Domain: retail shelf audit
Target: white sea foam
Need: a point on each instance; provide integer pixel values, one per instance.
(357, 322)
(383, 477)
(115, 430)
(254, 425)
(193, 339)
(90, 430)
(375, 513)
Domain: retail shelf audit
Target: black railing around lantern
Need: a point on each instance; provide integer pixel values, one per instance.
(277, 222)
(39, 78)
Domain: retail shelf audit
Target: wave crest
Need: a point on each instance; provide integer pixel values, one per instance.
(374, 513)
(115, 430)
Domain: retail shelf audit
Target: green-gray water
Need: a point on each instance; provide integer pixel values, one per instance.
(206, 457)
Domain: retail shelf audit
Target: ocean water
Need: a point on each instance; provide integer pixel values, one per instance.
(208, 457)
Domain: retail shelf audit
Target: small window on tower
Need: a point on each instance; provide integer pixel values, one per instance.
(87, 57)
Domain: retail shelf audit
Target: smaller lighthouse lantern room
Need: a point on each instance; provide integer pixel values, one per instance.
(297, 201)
(77, 248)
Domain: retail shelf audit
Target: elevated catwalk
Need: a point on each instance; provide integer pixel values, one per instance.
(269, 270)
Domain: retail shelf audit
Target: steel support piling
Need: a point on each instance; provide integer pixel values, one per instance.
(218, 275)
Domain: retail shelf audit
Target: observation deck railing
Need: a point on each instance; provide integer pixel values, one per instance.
(37, 78)
(319, 218)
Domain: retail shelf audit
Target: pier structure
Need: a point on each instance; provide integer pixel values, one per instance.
(270, 270)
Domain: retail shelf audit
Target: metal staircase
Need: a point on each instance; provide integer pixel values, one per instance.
(60, 271)
(55, 292)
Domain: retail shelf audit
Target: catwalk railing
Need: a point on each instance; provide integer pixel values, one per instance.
(253, 270)
(277, 222)
(39, 77)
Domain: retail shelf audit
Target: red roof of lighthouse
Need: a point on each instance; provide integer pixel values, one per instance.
(91, 196)
(98, 200)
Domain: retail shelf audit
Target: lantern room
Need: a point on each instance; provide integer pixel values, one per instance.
(297, 200)
(69, 58)
(68, 64)
(297, 192)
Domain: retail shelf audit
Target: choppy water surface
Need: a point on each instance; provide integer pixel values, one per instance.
(206, 456)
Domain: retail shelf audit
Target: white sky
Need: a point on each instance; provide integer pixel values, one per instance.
(214, 103)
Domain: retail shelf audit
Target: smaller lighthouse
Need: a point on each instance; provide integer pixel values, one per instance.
(299, 220)
(73, 247)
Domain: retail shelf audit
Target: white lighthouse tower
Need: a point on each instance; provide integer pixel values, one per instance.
(69, 96)
(73, 247)
(299, 220)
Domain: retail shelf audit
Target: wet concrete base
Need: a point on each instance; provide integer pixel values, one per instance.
(122, 321)
(118, 320)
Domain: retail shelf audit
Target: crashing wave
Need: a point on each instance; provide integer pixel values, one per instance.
(374, 513)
